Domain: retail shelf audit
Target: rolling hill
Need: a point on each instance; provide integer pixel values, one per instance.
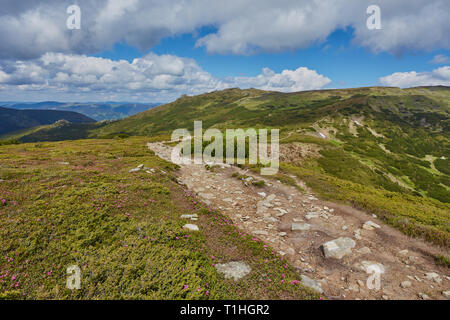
(369, 143)
(97, 111)
(13, 120)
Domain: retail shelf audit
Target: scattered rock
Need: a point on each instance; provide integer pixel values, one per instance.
(311, 283)
(446, 294)
(338, 248)
(403, 252)
(311, 215)
(262, 194)
(134, 170)
(432, 276)
(235, 269)
(191, 227)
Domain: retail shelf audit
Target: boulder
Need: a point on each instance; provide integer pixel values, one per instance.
(338, 248)
(311, 283)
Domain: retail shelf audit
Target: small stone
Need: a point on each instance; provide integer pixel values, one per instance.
(385, 297)
(360, 283)
(141, 166)
(191, 227)
(405, 284)
(134, 170)
(188, 216)
(403, 252)
(423, 296)
(338, 248)
(235, 269)
(300, 227)
(344, 228)
(446, 294)
(432, 276)
(369, 225)
(311, 283)
(283, 234)
(364, 250)
(262, 194)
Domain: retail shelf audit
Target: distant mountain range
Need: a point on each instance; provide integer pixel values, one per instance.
(14, 120)
(96, 111)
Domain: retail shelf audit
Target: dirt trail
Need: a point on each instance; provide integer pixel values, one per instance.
(271, 212)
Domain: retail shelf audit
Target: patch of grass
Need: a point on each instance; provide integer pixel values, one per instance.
(75, 203)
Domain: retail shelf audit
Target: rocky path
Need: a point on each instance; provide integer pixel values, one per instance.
(338, 250)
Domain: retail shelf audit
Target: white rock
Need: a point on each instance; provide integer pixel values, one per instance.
(300, 227)
(236, 269)
(370, 225)
(424, 296)
(189, 216)
(432, 276)
(446, 294)
(262, 194)
(338, 248)
(311, 283)
(191, 227)
(405, 284)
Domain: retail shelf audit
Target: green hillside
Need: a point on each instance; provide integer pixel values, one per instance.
(13, 120)
(383, 149)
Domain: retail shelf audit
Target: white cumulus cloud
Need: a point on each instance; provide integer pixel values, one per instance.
(152, 77)
(440, 76)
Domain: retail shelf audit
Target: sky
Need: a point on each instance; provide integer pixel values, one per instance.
(156, 51)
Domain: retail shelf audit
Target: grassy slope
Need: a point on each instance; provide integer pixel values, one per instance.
(413, 127)
(122, 229)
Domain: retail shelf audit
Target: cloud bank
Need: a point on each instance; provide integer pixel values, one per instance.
(31, 28)
(162, 77)
(440, 76)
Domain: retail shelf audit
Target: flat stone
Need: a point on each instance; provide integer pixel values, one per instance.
(260, 232)
(370, 225)
(364, 250)
(189, 216)
(405, 284)
(338, 248)
(300, 227)
(311, 283)
(311, 215)
(134, 170)
(236, 270)
(191, 227)
(262, 194)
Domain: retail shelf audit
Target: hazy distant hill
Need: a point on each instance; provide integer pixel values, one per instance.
(13, 120)
(97, 111)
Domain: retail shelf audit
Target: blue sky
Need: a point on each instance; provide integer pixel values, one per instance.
(347, 64)
(156, 51)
